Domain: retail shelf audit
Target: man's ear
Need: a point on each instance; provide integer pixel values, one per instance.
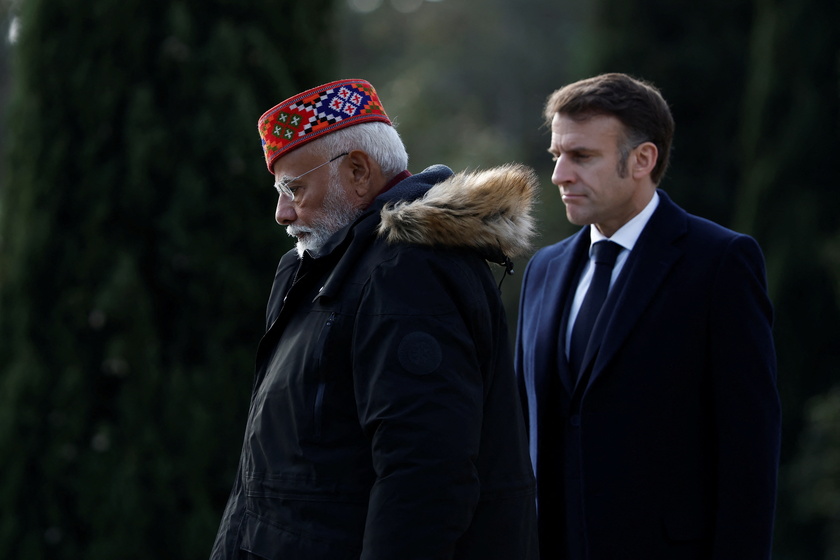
(361, 170)
(644, 159)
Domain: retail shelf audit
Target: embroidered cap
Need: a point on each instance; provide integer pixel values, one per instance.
(316, 112)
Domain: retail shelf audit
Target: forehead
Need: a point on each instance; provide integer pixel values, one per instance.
(296, 162)
(595, 132)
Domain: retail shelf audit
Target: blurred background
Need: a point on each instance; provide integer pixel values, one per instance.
(137, 241)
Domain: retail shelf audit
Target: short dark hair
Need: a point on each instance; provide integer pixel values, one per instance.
(637, 104)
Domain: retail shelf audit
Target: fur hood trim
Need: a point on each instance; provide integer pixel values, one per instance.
(489, 210)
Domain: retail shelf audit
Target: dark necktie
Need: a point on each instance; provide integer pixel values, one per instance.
(603, 256)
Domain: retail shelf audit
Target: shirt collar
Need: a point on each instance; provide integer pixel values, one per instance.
(629, 233)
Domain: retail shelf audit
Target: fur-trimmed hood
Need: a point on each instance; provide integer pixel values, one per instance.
(488, 210)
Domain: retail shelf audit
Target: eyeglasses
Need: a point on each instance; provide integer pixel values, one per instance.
(282, 185)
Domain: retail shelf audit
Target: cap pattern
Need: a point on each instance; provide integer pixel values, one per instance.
(316, 112)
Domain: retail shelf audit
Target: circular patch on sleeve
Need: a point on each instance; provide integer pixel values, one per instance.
(420, 353)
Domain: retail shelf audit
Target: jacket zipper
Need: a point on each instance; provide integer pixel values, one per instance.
(322, 383)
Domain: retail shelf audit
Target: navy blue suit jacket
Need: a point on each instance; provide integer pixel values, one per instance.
(675, 433)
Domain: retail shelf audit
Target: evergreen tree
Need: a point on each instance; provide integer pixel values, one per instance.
(788, 197)
(137, 246)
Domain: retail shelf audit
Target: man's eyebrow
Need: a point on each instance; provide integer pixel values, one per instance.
(574, 148)
(570, 150)
(285, 179)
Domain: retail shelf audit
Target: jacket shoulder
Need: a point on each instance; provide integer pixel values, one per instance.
(562, 249)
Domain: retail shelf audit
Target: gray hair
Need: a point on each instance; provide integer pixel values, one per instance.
(377, 139)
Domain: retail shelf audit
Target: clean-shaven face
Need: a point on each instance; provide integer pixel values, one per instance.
(588, 173)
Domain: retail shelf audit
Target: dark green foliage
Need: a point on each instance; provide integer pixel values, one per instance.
(814, 477)
(789, 198)
(137, 246)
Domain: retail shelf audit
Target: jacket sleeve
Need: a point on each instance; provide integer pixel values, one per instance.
(747, 408)
(423, 331)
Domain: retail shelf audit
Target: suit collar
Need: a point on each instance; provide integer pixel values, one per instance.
(560, 279)
(655, 253)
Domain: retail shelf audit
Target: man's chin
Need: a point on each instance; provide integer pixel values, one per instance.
(302, 240)
(301, 247)
(308, 244)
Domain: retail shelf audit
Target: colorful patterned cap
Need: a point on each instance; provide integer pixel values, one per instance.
(316, 112)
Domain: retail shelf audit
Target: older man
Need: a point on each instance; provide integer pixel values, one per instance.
(384, 421)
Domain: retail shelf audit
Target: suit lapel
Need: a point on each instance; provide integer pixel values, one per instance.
(561, 273)
(654, 254)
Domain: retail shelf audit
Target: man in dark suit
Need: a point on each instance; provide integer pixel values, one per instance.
(653, 415)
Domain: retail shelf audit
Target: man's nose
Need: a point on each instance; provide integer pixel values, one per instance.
(285, 213)
(562, 172)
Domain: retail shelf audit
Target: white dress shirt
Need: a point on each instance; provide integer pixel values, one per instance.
(626, 236)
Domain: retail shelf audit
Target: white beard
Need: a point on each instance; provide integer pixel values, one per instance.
(337, 211)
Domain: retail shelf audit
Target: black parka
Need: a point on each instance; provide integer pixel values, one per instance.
(384, 420)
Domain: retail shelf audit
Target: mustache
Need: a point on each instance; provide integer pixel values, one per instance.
(294, 231)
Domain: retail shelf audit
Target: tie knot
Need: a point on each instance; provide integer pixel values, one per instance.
(605, 252)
